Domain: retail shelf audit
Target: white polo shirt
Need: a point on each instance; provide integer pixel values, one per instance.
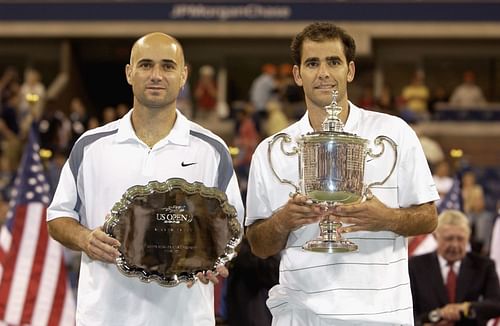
(103, 164)
(368, 286)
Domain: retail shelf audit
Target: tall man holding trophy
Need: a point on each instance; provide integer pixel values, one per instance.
(173, 200)
(356, 178)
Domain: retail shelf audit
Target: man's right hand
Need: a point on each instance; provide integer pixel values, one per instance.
(100, 246)
(297, 212)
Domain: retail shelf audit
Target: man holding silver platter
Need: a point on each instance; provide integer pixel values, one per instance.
(367, 198)
(134, 155)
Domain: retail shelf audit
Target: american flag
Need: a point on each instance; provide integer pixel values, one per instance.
(425, 243)
(34, 288)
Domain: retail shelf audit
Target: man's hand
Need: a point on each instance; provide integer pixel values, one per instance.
(269, 236)
(100, 246)
(210, 276)
(373, 215)
(452, 311)
(369, 215)
(297, 212)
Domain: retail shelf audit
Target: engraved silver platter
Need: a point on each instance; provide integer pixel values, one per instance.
(169, 231)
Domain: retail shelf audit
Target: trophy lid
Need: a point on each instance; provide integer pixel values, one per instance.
(326, 136)
(332, 127)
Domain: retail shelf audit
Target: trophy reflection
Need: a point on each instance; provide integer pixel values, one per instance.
(331, 170)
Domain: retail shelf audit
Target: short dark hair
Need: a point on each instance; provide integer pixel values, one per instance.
(319, 32)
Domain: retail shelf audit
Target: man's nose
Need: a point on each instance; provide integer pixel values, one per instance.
(156, 73)
(323, 72)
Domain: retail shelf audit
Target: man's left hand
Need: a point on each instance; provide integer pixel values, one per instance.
(210, 276)
(369, 215)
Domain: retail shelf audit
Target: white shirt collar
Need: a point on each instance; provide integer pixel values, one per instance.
(178, 135)
(443, 264)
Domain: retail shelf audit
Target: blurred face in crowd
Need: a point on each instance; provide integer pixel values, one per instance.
(452, 241)
(323, 67)
(156, 71)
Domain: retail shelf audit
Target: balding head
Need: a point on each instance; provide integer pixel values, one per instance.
(156, 71)
(452, 235)
(156, 40)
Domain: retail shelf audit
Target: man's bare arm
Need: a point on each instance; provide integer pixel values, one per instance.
(95, 243)
(268, 237)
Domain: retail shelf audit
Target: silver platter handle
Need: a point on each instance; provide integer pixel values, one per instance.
(285, 138)
(379, 142)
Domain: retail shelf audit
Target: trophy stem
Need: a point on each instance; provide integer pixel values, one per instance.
(330, 239)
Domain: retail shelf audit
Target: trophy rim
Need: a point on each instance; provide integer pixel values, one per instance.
(196, 187)
(322, 136)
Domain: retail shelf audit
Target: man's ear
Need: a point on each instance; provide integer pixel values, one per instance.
(351, 71)
(296, 75)
(184, 75)
(128, 73)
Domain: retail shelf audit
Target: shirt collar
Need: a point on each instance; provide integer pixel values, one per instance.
(178, 135)
(443, 264)
(350, 125)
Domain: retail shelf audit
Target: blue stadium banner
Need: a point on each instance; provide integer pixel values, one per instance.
(353, 10)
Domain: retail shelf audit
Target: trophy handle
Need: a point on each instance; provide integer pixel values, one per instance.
(285, 138)
(379, 142)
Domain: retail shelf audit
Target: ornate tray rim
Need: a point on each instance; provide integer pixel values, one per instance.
(162, 187)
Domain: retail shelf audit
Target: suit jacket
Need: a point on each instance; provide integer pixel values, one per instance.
(477, 282)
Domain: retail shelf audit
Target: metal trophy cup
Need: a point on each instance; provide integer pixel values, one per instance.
(331, 170)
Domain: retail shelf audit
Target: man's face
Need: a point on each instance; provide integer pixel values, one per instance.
(323, 67)
(156, 72)
(452, 242)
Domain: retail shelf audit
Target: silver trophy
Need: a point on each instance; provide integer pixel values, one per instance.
(331, 170)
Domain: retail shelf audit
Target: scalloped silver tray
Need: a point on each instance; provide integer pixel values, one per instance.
(169, 231)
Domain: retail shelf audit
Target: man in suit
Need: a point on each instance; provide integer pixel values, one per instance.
(452, 285)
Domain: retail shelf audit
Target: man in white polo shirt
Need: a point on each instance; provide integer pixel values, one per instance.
(367, 287)
(154, 141)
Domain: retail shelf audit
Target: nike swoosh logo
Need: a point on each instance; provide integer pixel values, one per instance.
(187, 164)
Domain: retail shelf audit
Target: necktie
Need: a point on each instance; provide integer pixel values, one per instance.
(451, 283)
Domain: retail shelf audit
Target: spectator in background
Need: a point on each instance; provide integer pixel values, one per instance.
(277, 120)
(32, 94)
(442, 177)
(206, 93)
(469, 186)
(481, 220)
(468, 94)
(416, 96)
(439, 96)
(121, 110)
(9, 84)
(451, 285)
(385, 101)
(263, 89)
(108, 115)
(367, 99)
(246, 140)
(289, 93)
(78, 118)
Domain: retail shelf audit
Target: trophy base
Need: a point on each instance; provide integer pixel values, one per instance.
(330, 246)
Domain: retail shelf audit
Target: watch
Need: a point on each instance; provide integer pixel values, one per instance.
(434, 316)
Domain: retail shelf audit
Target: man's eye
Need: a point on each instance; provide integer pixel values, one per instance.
(169, 67)
(311, 64)
(145, 65)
